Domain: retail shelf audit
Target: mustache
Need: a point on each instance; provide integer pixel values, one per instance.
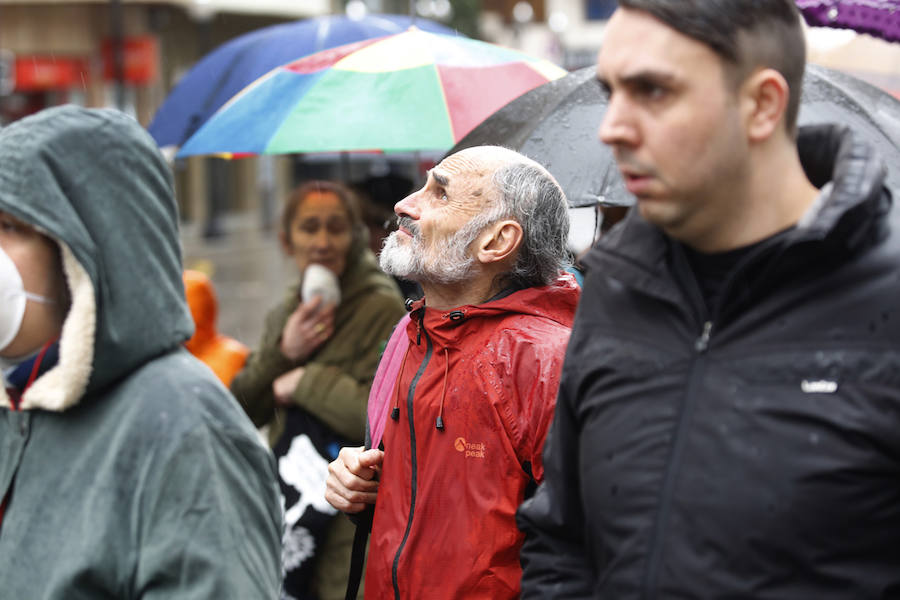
(627, 162)
(409, 225)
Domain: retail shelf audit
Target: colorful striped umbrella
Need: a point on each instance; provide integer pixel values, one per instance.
(237, 63)
(404, 92)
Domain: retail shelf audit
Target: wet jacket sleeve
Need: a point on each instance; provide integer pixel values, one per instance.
(253, 385)
(337, 396)
(536, 371)
(210, 524)
(554, 560)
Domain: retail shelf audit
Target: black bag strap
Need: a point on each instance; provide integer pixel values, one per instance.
(358, 555)
(363, 522)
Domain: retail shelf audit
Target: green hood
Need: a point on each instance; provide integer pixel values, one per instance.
(95, 182)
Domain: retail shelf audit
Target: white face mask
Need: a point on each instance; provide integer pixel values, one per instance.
(13, 298)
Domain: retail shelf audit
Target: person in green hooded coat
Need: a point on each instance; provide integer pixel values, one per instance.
(126, 469)
(308, 380)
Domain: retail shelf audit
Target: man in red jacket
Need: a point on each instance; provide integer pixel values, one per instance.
(476, 385)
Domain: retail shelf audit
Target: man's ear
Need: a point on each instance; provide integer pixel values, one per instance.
(499, 242)
(764, 97)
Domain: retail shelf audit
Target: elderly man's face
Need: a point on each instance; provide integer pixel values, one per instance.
(37, 261)
(432, 242)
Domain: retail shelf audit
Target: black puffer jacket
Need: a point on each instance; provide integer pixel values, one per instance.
(750, 451)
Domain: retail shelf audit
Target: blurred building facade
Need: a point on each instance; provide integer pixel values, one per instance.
(570, 32)
(120, 53)
(131, 53)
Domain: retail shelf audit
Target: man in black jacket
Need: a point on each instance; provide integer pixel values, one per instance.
(728, 424)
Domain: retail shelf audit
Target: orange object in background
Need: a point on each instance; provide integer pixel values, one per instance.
(224, 355)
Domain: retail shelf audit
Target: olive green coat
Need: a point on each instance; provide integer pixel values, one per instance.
(335, 385)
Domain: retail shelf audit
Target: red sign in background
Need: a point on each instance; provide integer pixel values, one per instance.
(36, 73)
(140, 58)
(39, 73)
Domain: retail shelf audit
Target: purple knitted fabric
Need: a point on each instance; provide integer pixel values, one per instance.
(880, 18)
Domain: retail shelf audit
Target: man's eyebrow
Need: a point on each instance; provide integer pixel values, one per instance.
(648, 75)
(442, 180)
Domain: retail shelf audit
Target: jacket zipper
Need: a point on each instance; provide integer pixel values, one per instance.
(694, 296)
(707, 316)
(702, 342)
(14, 401)
(412, 455)
(700, 346)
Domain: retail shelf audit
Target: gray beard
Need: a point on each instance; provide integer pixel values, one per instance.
(408, 261)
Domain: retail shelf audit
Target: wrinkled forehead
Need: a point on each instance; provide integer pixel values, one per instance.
(472, 165)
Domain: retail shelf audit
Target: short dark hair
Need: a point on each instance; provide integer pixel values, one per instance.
(746, 34)
(345, 195)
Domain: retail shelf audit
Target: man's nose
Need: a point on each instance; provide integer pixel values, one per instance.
(618, 127)
(409, 206)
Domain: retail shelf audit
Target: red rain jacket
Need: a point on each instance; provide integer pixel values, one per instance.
(444, 522)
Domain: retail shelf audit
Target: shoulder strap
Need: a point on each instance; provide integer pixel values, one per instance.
(377, 414)
(385, 379)
(358, 554)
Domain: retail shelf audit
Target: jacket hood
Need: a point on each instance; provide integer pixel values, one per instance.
(94, 181)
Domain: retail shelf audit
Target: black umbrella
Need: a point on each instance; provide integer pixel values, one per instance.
(556, 124)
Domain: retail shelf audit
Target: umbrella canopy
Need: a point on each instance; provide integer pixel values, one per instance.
(411, 91)
(880, 18)
(556, 124)
(239, 62)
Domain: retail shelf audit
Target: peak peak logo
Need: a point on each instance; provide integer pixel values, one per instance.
(472, 450)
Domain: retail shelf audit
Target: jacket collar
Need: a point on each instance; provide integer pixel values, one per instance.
(45, 359)
(555, 302)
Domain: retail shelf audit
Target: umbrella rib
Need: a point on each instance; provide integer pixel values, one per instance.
(450, 126)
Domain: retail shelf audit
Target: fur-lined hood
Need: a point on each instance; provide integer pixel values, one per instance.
(94, 181)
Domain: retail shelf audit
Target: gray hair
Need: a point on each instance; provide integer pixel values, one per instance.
(528, 194)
